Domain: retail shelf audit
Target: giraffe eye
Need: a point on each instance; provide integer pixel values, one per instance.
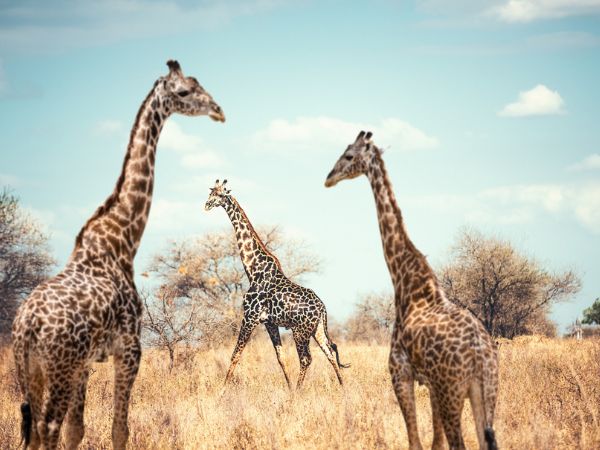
(348, 158)
(183, 93)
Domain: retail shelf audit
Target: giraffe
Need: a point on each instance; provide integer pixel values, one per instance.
(91, 309)
(272, 298)
(434, 341)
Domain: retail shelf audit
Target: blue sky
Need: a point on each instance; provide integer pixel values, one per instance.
(488, 110)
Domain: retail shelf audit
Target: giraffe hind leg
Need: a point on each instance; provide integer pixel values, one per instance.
(55, 409)
(75, 425)
(451, 402)
(476, 400)
(327, 348)
(36, 399)
(302, 347)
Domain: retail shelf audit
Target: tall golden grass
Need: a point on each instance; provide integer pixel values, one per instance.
(549, 399)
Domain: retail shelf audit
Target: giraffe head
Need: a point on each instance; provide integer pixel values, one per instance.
(354, 161)
(187, 96)
(218, 194)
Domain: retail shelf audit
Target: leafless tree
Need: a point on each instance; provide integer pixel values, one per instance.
(509, 292)
(373, 318)
(202, 283)
(25, 259)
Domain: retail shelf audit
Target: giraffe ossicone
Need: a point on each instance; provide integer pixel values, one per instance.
(91, 309)
(272, 298)
(434, 341)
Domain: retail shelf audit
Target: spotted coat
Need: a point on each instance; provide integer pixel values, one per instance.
(434, 341)
(272, 298)
(91, 309)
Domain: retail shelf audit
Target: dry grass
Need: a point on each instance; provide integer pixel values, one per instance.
(549, 399)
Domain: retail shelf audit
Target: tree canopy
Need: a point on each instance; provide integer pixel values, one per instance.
(508, 291)
(591, 315)
(25, 259)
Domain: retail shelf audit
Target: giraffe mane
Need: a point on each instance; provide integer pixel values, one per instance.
(397, 211)
(256, 236)
(112, 198)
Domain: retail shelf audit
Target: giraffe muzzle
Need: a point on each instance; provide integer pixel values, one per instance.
(330, 181)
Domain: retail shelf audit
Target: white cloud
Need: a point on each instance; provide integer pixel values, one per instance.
(530, 10)
(41, 26)
(587, 207)
(592, 162)
(550, 197)
(521, 204)
(108, 127)
(538, 101)
(315, 133)
(194, 152)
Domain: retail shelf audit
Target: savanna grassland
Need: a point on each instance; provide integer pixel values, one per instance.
(549, 399)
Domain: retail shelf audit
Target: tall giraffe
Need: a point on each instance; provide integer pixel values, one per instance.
(434, 341)
(272, 298)
(91, 309)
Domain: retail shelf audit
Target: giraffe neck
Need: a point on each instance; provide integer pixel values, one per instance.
(411, 275)
(253, 252)
(117, 226)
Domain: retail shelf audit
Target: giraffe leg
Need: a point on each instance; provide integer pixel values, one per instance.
(302, 347)
(438, 425)
(75, 427)
(246, 330)
(36, 399)
(451, 402)
(325, 345)
(476, 399)
(55, 409)
(127, 363)
(404, 388)
(273, 331)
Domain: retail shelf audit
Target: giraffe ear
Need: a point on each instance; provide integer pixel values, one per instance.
(174, 67)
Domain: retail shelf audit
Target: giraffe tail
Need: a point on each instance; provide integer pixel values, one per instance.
(337, 356)
(26, 423)
(22, 366)
(333, 345)
(490, 438)
(488, 392)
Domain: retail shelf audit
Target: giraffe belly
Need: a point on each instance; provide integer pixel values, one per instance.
(101, 348)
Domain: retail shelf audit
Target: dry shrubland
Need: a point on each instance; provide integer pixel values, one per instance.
(549, 399)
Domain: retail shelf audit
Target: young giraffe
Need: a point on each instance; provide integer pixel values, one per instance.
(91, 309)
(272, 298)
(434, 341)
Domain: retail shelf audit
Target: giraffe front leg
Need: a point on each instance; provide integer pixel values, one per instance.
(302, 347)
(75, 426)
(438, 425)
(273, 331)
(404, 388)
(248, 325)
(127, 363)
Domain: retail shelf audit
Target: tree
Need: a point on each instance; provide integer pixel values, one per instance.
(201, 284)
(373, 318)
(508, 291)
(591, 315)
(25, 259)
(170, 321)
